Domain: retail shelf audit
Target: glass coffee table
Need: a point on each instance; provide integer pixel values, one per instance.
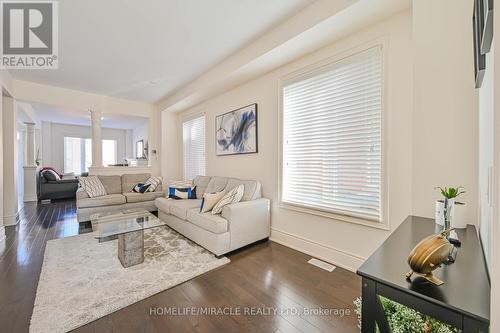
(128, 226)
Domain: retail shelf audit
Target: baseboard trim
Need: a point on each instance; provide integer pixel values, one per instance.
(324, 252)
(30, 199)
(10, 220)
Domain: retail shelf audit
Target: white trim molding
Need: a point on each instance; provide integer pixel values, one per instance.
(10, 220)
(330, 254)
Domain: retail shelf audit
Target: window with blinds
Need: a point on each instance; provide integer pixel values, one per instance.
(193, 138)
(332, 137)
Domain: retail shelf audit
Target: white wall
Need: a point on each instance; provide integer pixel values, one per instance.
(445, 131)
(10, 170)
(495, 225)
(53, 141)
(340, 242)
(486, 154)
(171, 139)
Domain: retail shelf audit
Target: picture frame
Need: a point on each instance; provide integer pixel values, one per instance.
(487, 30)
(479, 58)
(236, 131)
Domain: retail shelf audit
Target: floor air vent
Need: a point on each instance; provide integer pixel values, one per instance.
(321, 264)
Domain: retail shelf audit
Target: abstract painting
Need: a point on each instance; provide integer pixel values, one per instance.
(236, 131)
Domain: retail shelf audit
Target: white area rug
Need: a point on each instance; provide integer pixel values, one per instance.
(82, 280)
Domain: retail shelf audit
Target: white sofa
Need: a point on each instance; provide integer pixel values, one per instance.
(119, 196)
(239, 224)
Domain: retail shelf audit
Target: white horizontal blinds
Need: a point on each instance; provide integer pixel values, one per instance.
(193, 138)
(332, 136)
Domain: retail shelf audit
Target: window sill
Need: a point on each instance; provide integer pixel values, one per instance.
(334, 216)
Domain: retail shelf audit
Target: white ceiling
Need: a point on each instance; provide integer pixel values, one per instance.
(145, 50)
(44, 112)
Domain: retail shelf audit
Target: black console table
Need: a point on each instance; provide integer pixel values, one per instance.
(462, 301)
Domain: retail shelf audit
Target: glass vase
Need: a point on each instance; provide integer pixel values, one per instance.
(449, 207)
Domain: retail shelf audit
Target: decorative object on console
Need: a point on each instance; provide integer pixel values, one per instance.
(182, 192)
(445, 212)
(429, 254)
(141, 188)
(210, 200)
(231, 197)
(236, 131)
(93, 186)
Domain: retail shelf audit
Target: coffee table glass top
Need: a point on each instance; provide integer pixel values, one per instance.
(110, 224)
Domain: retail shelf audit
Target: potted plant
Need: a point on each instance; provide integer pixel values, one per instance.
(402, 319)
(445, 208)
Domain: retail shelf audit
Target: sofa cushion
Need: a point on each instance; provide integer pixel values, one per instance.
(141, 197)
(105, 200)
(216, 184)
(164, 204)
(252, 188)
(207, 221)
(112, 184)
(132, 179)
(179, 208)
(201, 183)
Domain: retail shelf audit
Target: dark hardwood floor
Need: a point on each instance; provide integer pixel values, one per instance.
(262, 278)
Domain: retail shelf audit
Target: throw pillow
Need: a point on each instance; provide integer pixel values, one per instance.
(93, 186)
(141, 188)
(210, 200)
(230, 197)
(182, 192)
(154, 182)
(50, 175)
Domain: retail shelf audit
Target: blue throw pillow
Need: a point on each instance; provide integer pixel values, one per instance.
(182, 192)
(141, 188)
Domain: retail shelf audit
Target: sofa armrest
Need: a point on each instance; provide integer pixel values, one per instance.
(81, 194)
(248, 221)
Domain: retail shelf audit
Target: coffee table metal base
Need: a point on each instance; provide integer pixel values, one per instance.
(131, 248)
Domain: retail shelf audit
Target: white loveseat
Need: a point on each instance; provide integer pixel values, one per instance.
(239, 224)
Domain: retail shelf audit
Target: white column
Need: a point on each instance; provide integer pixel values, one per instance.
(10, 166)
(29, 165)
(2, 228)
(95, 117)
(30, 144)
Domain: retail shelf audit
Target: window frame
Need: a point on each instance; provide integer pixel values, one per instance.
(182, 121)
(384, 185)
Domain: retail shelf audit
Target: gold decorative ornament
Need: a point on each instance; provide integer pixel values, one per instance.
(429, 254)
